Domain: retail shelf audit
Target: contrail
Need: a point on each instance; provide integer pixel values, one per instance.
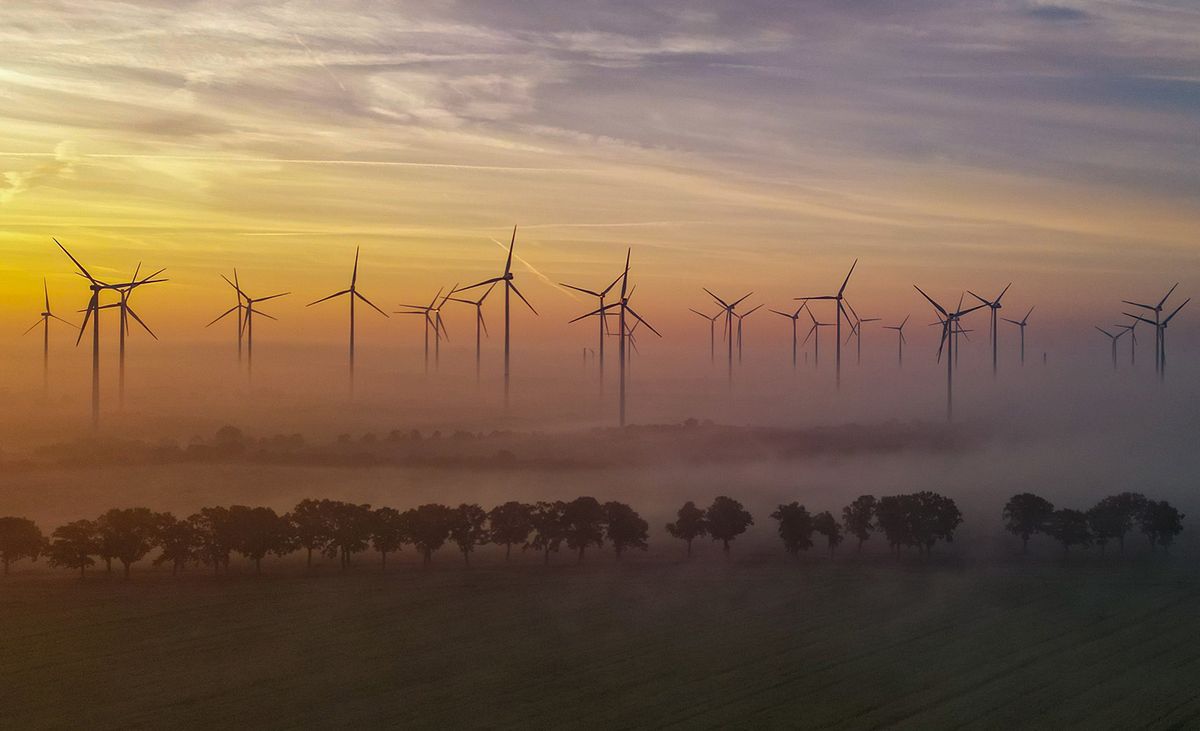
(309, 161)
(318, 61)
(530, 267)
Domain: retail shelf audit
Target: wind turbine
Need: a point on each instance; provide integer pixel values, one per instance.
(900, 340)
(712, 334)
(842, 306)
(352, 294)
(728, 310)
(1157, 310)
(239, 307)
(601, 295)
(815, 333)
(433, 318)
(246, 312)
(1160, 330)
(949, 320)
(1114, 339)
(624, 329)
(44, 320)
(1132, 328)
(480, 324)
(1021, 324)
(856, 333)
(995, 306)
(741, 317)
(794, 317)
(509, 289)
(125, 290)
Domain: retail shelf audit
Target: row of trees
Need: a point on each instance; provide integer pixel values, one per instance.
(335, 529)
(917, 520)
(1111, 519)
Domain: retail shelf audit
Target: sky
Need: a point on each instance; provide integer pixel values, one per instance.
(748, 145)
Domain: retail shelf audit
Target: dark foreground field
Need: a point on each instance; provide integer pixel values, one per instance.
(648, 643)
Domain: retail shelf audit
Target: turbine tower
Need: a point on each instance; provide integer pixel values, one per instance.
(351, 294)
(994, 306)
(741, 317)
(712, 334)
(433, 319)
(125, 290)
(509, 290)
(842, 306)
(1158, 332)
(856, 333)
(44, 320)
(1021, 324)
(728, 310)
(950, 330)
(900, 339)
(794, 317)
(1113, 339)
(246, 312)
(814, 332)
(600, 296)
(480, 324)
(239, 307)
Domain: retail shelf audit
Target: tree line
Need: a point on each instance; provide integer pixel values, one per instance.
(1111, 519)
(341, 530)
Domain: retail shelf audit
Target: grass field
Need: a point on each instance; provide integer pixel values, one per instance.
(757, 642)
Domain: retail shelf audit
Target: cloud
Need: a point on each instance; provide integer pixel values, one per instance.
(15, 183)
(1058, 13)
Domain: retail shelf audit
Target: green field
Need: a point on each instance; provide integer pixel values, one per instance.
(756, 642)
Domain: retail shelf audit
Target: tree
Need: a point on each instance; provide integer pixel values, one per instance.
(128, 533)
(428, 528)
(1024, 515)
(310, 526)
(795, 527)
(1069, 527)
(859, 517)
(933, 517)
(214, 537)
(73, 545)
(727, 520)
(1161, 522)
(511, 524)
(891, 517)
(389, 532)
(583, 524)
(177, 541)
(468, 528)
(19, 538)
(548, 528)
(624, 528)
(257, 532)
(825, 524)
(689, 525)
(349, 529)
(1115, 515)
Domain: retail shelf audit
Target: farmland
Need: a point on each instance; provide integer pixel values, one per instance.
(760, 640)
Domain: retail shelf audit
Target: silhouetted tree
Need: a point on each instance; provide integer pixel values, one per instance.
(795, 527)
(73, 545)
(891, 516)
(19, 538)
(177, 541)
(511, 523)
(689, 525)
(1024, 515)
(257, 532)
(1115, 515)
(389, 531)
(933, 517)
(129, 533)
(1161, 522)
(428, 528)
(583, 524)
(859, 518)
(310, 521)
(1069, 527)
(727, 519)
(349, 529)
(548, 528)
(825, 524)
(468, 528)
(214, 537)
(624, 527)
